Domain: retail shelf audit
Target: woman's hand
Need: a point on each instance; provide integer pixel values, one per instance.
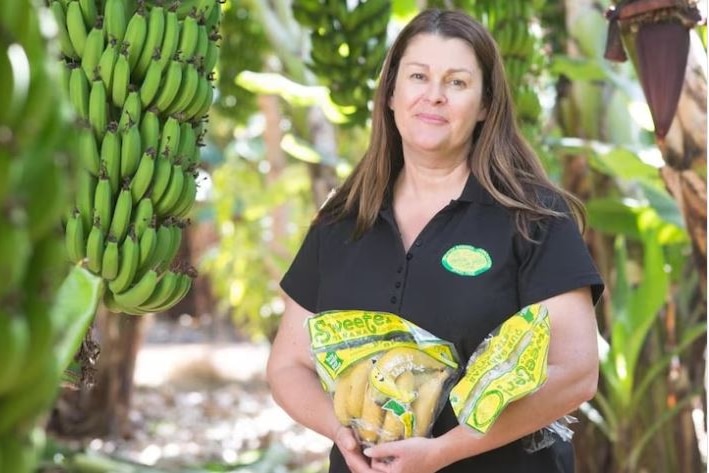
(414, 455)
(349, 447)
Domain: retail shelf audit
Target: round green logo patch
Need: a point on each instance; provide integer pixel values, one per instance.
(466, 260)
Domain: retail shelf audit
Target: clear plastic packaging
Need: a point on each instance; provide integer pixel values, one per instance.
(509, 364)
(388, 378)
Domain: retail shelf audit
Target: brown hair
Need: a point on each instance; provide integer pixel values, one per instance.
(501, 160)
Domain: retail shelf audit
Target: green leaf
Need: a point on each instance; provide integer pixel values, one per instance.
(663, 204)
(300, 149)
(624, 164)
(73, 310)
(613, 216)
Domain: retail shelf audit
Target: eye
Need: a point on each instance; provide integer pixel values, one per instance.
(458, 83)
(417, 76)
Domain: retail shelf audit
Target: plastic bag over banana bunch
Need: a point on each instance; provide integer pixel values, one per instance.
(139, 77)
(389, 379)
(508, 364)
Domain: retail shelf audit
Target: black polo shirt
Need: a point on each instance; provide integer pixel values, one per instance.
(465, 273)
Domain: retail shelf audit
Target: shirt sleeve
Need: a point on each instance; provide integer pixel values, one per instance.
(301, 282)
(557, 262)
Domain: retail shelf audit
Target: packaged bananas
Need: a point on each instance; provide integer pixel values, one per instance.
(388, 377)
(509, 364)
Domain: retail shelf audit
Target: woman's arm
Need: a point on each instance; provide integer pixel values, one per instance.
(572, 378)
(296, 388)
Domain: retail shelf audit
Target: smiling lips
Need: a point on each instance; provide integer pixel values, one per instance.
(432, 119)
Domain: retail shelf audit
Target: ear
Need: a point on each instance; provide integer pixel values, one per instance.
(391, 97)
(482, 114)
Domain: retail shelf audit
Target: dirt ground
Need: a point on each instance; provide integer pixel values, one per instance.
(201, 397)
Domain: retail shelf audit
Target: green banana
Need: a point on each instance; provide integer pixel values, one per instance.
(151, 83)
(128, 266)
(161, 177)
(75, 238)
(121, 80)
(170, 86)
(107, 62)
(164, 289)
(111, 155)
(16, 248)
(184, 283)
(143, 176)
(136, 34)
(171, 38)
(86, 189)
(163, 246)
(143, 216)
(172, 193)
(87, 148)
(114, 19)
(94, 248)
(139, 292)
(150, 130)
(95, 44)
(131, 114)
(103, 202)
(153, 41)
(76, 28)
(131, 151)
(121, 215)
(65, 45)
(109, 262)
(188, 87)
(89, 11)
(170, 138)
(98, 108)
(79, 92)
(187, 199)
(189, 35)
(148, 244)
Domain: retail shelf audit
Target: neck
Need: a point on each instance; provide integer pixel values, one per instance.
(425, 183)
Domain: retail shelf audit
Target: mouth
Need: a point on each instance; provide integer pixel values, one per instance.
(431, 118)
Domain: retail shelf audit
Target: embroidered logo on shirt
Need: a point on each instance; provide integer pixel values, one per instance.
(466, 260)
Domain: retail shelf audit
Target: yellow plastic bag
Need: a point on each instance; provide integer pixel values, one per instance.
(388, 377)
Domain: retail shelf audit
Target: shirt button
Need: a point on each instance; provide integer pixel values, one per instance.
(398, 284)
(393, 300)
(418, 243)
(399, 269)
(409, 256)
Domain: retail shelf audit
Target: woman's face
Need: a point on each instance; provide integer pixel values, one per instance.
(437, 98)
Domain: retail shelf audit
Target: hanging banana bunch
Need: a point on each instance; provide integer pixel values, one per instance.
(34, 146)
(348, 45)
(140, 81)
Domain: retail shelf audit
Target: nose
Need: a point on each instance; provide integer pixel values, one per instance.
(435, 93)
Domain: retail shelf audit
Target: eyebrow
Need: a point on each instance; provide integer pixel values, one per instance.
(453, 70)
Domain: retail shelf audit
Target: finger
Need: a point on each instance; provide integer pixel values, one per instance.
(345, 439)
(383, 452)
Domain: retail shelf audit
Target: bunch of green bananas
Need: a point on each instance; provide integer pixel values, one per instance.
(139, 78)
(392, 395)
(348, 46)
(34, 145)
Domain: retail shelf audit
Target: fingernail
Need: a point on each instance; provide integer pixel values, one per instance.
(367, 451)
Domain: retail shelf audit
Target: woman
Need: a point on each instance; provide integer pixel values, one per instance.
(446, 171)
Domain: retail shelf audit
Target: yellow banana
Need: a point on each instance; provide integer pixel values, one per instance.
(370, 422)
(358, 385)
(395, 362)
(393, 427)
(426, 405)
